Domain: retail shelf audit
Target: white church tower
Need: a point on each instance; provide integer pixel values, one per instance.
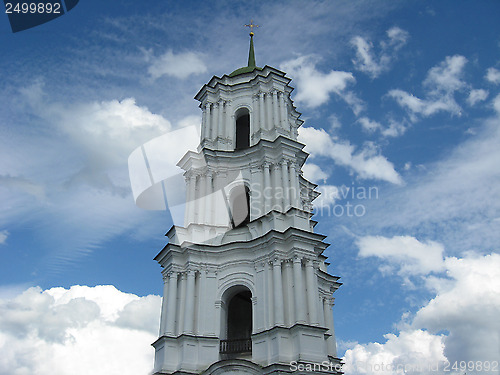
(246, 288)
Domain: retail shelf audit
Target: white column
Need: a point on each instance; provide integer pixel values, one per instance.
(283, 112)
(277, 188)
(262, 112)
(222, 118)
(202, 188)
(289, 292)
(189, 310)
(203, 122)
(285, 185)
(294, 186)
(256, 198)
(171, 304)
(269, 295)
(278, 293)
(190, 200)
(208, 198)
(218, 128)
(267, 188)
(228, 124)
(215, 124)
(208, 122)
(275, 109)
(164, 315)
(312, 293)
(182, 304)
(298, 290)
(332, 347)
(201, 327)
(269, 110)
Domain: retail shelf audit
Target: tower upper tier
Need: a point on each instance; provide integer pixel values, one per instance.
(246, 106)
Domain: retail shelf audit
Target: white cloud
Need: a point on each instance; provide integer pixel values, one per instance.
(447, 76)
(476, 96)
(367, 162)
(441, 83)
(372, 64)
(71, 178)
(496, 104)
(415, 349)
(80, 330)
(395, 128)
(4, 234)
(315, 87)
(454, 201)
(466, 307)
(180, 65)
(329, 195)
(369, 125)
(314, 173)
(409, 255)
(493, 75)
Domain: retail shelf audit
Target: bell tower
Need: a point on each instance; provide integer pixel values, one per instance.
(246, 287)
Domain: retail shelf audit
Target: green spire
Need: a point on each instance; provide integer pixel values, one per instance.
(251, 53)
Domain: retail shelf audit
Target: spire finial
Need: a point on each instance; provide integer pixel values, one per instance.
(251, 53)
(251, 26)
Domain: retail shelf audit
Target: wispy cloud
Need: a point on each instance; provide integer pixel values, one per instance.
(4, 234)
(314, 87)
(372, 63)
(493, 75)
(441, 83)
(411, 256)
(367, 162)
(180, 65)
(476, 96)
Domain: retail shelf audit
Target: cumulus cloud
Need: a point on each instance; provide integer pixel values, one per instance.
(393, 129)
(314, 173)
(72, 174)
(493, 75)
(180, 65)
(459, 324)
(411, 351)
(3, 236)
(368, 163)
(467, 305)
(441, 82)
(408, 254)
(329, 195)
(315, 87)
(476, 96)
(373, 63)
(80, 330)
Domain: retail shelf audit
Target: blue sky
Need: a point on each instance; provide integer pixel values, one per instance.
(402, 98)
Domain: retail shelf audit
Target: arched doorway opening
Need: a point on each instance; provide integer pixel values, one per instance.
(237, 329)
(242, 129)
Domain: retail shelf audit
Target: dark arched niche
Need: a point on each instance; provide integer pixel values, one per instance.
(242, 129)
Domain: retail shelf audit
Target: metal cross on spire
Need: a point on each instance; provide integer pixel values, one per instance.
(251, 26)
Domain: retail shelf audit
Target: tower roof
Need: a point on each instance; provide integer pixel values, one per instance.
(251, 56)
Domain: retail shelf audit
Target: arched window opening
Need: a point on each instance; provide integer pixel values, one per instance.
(242, 129)
(239, 316)
(240, 206)
(238, 325)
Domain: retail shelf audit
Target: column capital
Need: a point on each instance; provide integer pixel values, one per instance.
(297, 259)
(276, 262)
